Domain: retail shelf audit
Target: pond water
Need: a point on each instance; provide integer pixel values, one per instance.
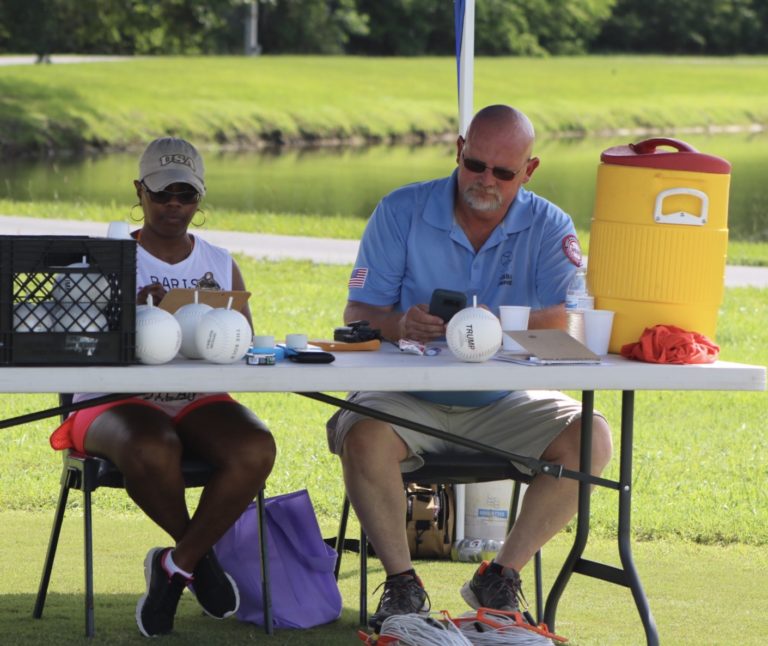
(350, 181)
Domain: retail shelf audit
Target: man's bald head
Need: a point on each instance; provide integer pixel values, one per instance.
(495, 160)
(505, 121)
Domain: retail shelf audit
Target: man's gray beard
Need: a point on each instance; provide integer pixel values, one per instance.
(488, 201)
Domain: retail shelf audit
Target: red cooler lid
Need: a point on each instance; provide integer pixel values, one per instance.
(684, 157)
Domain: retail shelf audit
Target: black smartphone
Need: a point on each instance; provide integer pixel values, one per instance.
(446, 302)
(310, 356)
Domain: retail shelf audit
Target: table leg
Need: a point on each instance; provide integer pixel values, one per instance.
(582, 520)
(625, 516)
(627, 575)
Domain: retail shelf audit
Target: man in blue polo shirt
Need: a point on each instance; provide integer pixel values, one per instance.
(479, 232)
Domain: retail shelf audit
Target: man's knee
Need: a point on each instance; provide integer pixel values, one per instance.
(371, 439)
(565, 448)
(602, 443)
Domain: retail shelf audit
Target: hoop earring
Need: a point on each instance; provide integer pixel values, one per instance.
(130, 215)
(199, 224)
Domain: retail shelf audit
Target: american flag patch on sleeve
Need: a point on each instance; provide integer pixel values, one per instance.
(357, 279)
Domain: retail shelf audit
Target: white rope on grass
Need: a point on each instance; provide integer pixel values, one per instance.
(422, 630)
(488, 627)
(507, 636)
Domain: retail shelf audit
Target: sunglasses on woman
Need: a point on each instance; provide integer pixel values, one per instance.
(190, 196)
(477, 166)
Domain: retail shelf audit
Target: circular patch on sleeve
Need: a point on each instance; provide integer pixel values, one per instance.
(572, 249)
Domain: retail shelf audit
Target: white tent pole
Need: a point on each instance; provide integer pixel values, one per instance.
(466, 71)
(467, 68)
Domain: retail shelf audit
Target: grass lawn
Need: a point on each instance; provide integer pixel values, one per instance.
(700, 517)
(699, 594)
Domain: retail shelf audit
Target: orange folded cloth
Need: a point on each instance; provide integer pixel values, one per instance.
(670, 344)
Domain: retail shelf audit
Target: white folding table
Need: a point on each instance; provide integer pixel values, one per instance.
(390, 370)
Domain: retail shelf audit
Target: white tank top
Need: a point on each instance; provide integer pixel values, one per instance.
(204, 258)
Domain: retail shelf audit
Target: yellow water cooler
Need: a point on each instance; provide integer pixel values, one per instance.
(659, 238)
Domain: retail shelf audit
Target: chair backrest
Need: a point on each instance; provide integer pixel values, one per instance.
(65, 399)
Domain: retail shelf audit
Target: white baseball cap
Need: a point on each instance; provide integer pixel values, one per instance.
(169, 161)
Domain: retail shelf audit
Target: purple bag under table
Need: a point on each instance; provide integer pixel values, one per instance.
(301, 564)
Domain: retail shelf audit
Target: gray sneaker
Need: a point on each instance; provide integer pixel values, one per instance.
(489, 589)
(402, 595)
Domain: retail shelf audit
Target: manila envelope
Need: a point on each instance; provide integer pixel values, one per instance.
(177, 297)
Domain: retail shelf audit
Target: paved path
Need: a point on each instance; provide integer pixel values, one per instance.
(62, 58)
(276, 247)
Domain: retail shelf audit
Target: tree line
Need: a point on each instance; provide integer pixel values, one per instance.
(382, 27)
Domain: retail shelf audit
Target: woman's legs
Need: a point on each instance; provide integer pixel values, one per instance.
(144, 445)
(242, 451)
(147, 447)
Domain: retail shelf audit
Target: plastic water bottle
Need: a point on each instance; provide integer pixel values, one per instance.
(468, 550)
(475, 550)
(490, 549)
(577, 299)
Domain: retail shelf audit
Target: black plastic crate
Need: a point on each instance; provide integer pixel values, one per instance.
(67, 300)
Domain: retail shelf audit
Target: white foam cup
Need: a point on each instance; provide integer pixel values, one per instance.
(296, 341)
(513, 318)
(119, 231)
(263, 341)
(597, 330)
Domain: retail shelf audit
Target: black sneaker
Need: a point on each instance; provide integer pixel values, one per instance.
(215, 590)
(157, 608)
(402, 595)
(491, 589)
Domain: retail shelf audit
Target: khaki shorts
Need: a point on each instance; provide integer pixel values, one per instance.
(524, 422)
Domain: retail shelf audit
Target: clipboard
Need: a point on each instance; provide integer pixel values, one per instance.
(548, 347)
(177, 297)
(342, 346)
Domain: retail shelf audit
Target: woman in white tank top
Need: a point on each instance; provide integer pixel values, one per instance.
(146, 436)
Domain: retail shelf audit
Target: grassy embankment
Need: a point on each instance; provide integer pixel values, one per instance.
(233, 101)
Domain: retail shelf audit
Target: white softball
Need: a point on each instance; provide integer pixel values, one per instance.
(81, 287)
(158, 335)
(189, 316)
(33, 317)
(474, 334)
(78, 317)
(223, 336)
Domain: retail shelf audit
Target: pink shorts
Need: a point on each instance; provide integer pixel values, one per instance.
(71, 434)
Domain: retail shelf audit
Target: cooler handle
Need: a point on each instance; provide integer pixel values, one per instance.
(648, 146)
(681, 217)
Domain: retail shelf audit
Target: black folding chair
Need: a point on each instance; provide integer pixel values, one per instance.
(446, 468)
(87, 473)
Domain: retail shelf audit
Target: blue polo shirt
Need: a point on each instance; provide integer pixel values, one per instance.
(412, 245)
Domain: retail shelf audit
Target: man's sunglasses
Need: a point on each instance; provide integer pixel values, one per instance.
(477, 166)
(163, 197)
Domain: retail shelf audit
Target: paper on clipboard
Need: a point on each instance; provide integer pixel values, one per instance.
(548, 347)
(341, 346)
(177, 297)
